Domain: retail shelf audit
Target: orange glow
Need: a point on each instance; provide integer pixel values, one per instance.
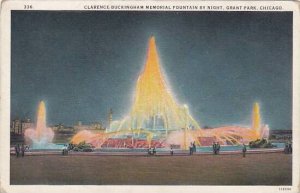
(96, 139)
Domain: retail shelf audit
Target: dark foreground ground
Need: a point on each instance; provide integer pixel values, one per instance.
(255, 169)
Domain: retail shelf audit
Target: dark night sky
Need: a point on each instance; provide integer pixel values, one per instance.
(219, 63)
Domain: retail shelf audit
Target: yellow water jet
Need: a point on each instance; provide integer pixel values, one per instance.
(153, 100)
(256, 119)
(41, 119)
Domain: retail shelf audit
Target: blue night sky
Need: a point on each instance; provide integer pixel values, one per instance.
(218, 63)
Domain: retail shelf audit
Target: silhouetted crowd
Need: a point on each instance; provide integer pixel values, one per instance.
(152, 151)
(65, 150)
(288, 149)
(20, 150)
(216, 148)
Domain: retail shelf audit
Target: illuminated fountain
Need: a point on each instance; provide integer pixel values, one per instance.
(41, 137)
(154, 108)
(260, 131)
(155, 112)
(156, 115)
(225, 135)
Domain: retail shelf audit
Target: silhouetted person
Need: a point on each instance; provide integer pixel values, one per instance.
(290, 149)
(191, 149)
(214, 148)
(154, 151)
(23, 150)
(218, 147)
(194, 147)
(244, 150)
(65, 150)
(17, 150)
(171, 151)
(286, 148)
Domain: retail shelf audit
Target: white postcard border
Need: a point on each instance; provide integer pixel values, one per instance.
(5, 70)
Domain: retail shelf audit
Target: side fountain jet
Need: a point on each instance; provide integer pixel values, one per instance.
(41, 136)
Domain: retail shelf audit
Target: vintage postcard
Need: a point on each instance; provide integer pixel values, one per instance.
(154, 96)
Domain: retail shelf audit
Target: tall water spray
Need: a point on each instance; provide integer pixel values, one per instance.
(41, 136)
